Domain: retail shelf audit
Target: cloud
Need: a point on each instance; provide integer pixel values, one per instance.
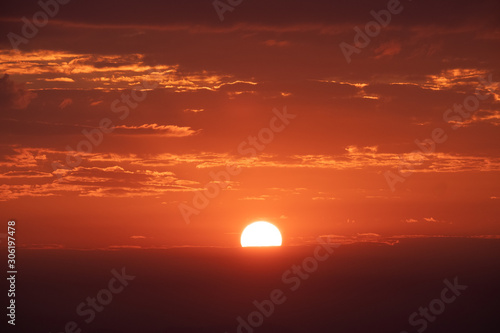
(118, 71)
(171, 131)
(355, 158)
(121, 247)
(23, 158)
(24, 164)
(95, 103)
(25, 174)
(455, 78)
(486, 236)
(491, 117)
(324, 198)
(13, 95)
(44, 246)
(60, 79)
(262, 197)
(358, 238)
(425, 219)
(388, 49)
(66, 102)
(148, 175)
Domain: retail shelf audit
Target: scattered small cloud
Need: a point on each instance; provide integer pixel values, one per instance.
(388, 49)
(194, 110)
(44, 246)
(59, 79)
(323, 198)
(358, 238)
(66, 102)
(257, 198)
(122, 247)
(424, 220)
(94, 103)
(163, 130)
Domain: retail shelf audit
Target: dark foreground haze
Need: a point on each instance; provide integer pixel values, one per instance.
(358, 288)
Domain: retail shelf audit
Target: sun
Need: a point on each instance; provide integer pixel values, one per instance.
(261, 233)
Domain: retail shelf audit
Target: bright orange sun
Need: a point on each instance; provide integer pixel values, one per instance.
(261, 233)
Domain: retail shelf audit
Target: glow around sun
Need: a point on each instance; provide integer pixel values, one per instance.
(261, 233)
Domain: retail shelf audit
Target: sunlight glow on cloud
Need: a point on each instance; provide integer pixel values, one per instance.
(59, 79)
(452, 78)
(155, 129)
(105, 72)
(129, 175)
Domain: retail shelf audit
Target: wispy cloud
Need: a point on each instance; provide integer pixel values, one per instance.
(155, 129)
(66, 102)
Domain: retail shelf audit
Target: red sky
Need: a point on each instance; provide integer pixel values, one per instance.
(217, 84)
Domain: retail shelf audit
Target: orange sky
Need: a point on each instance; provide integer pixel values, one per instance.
(203, 88)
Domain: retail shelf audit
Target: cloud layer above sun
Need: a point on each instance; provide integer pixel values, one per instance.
(216, 85)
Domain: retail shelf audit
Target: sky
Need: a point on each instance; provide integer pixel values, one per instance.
(115, 119)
